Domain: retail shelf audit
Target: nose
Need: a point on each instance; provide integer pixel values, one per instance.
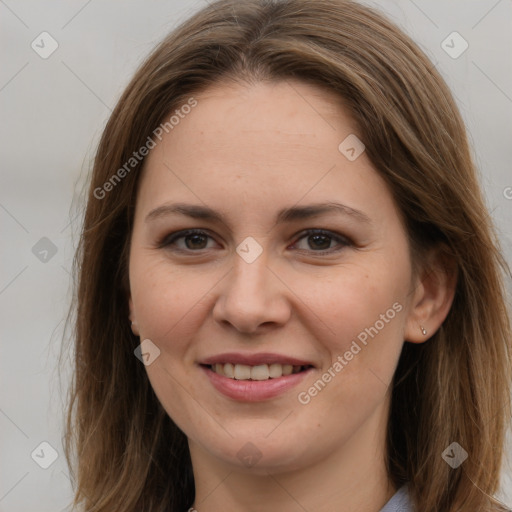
(252, 297)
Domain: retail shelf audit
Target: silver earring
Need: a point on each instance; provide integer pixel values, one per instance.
(423, 330)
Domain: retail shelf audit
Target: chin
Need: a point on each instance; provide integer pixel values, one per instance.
(260, 455)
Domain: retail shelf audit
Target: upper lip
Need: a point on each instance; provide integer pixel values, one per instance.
(254, 359)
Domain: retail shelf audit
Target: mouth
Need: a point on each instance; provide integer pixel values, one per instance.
(258, 372)
(254, 377)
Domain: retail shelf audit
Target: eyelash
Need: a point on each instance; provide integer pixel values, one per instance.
(168, 240)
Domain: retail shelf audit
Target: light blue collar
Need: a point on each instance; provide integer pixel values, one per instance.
(399, 502)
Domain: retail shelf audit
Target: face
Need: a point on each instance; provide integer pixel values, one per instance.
(271, 280)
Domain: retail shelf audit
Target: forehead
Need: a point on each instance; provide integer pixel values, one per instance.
(294, 110)
(257, 145)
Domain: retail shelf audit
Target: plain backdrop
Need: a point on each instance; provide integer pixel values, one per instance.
(53, 110)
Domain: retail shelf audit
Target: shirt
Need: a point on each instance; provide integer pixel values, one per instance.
(399, 502)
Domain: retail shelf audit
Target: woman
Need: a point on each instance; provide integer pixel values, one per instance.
(290, 291)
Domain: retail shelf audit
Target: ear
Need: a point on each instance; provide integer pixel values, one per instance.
(432, 296)
(133, 320)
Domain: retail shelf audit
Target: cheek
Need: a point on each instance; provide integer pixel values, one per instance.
(167, 302)
(165, 299)
(364, 308)
(354, 297)
(366, 313)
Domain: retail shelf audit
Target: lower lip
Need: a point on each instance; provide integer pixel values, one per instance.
(254, 390)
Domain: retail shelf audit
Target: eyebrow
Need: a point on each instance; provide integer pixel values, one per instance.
(290, 214)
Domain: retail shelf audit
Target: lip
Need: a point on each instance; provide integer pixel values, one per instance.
(253, 390)
(254, 359)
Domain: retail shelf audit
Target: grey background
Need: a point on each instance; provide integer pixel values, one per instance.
(53, 111)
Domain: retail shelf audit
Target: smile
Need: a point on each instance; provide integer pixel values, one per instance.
(254, 383)
(258, 372)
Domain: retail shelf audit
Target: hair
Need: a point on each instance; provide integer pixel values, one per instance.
(128, 453)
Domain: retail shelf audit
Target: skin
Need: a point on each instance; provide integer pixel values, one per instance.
(248, 151)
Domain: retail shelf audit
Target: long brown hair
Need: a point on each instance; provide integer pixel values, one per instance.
(128, 454)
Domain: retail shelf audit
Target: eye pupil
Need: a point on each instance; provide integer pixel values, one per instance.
(195, 237)
(325, 238)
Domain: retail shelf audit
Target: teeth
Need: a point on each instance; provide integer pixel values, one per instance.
(229, 370)
(258, 372)
(242, 372)
(275, 370)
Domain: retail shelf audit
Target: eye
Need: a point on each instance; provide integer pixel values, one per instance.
(194, 240)
(319, 240)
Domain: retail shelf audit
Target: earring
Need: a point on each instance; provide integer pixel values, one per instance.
(135, 328)
(423, 330)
